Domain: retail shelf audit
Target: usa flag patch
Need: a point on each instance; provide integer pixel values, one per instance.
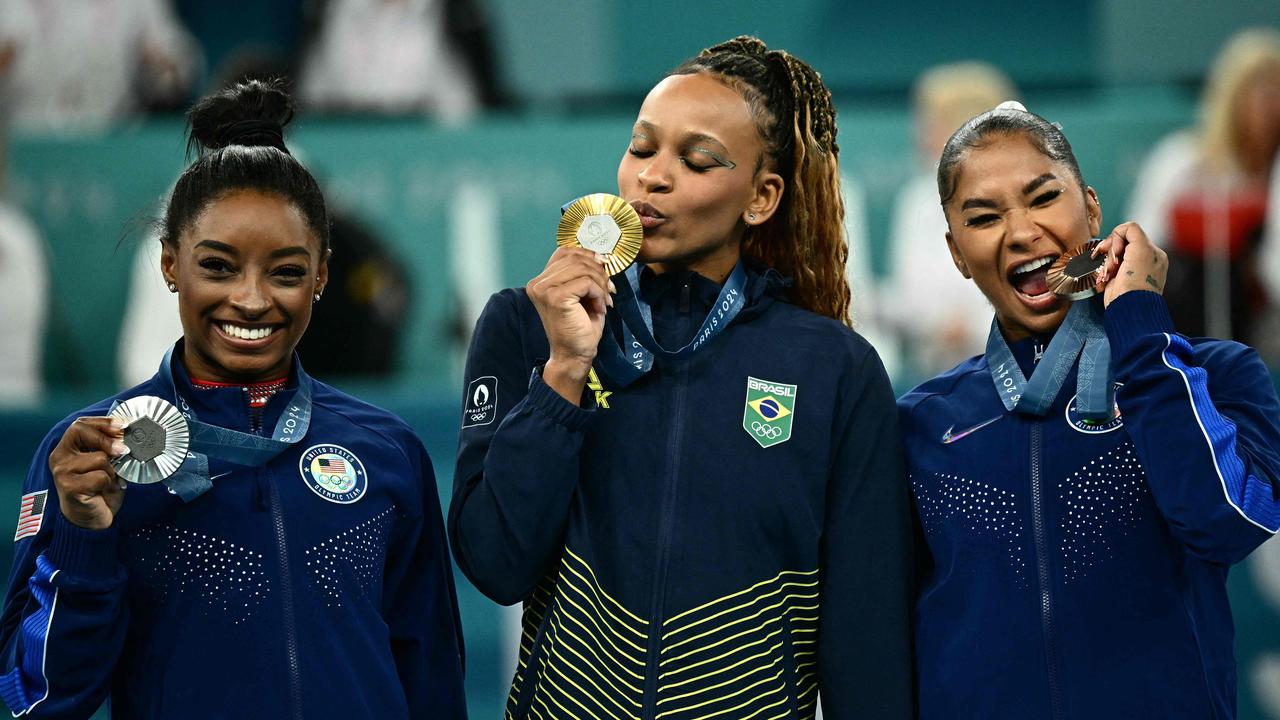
(30, 514)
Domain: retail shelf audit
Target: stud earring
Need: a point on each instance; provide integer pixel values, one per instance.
(751, 217)
(315, 298)
(173, 287)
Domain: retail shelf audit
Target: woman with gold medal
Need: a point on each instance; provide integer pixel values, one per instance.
(1082, 487)
(718, 530)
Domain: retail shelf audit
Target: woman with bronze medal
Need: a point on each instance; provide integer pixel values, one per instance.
(718, 530)
(232, 538)
(1083, 487)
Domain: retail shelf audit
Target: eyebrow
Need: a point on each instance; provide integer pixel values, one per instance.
(693, 138)
(1026, 190)
(231, 250)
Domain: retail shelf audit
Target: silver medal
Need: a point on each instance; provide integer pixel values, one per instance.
(156, 435)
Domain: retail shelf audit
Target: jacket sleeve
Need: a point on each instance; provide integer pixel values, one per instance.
(65, 618)
(517, 466)
(422, 608)
(864, 643)
(1205, 424)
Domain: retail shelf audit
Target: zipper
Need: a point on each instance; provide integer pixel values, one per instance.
(649, 705)
(286, 594)
(1042, 569)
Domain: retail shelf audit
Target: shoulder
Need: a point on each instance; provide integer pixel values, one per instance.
(1223, 355)
(943, 386)
(340, 407)
(798, 329)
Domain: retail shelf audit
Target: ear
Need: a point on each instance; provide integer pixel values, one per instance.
(767, 198)
(1093, 207)
(169, 262)
(957, 258)
(322, 272)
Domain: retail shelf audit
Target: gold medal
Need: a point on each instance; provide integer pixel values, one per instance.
(156, 435)
(1074, 275)
(604, 224)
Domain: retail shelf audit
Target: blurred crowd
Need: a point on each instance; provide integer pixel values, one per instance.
(84, 66)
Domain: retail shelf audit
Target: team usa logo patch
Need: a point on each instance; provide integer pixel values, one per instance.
(481, 403)
(334, 473)
(1093, 427)
(30, 514)
(768, 412)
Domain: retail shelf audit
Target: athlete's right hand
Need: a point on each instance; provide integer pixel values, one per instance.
(572, 295)
(89, 492)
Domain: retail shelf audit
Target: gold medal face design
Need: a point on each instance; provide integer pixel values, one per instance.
(604, 224)
(156, 435)
(1075, 274)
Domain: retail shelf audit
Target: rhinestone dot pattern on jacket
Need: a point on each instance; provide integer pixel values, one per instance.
(359, 553)
(225, 579)
(974, 509)
(1100, 502)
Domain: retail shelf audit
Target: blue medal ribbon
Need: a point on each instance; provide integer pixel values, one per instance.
(210, 441)
(630, 359)
(1080, 335)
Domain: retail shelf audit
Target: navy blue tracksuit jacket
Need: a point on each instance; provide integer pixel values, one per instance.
(1078, 570)
(671, 564)
(269, 596)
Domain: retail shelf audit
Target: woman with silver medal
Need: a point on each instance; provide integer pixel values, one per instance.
(231, 512)
(694, 485)
(1081, 488)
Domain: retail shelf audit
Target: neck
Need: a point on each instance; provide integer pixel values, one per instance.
(715, 267)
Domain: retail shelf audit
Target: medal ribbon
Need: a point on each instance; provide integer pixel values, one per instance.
(1080, 335)
(192, 478)
(637, 327)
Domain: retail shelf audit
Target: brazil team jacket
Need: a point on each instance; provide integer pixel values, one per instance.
(721, 538)
(1076, 569)
(265, 597)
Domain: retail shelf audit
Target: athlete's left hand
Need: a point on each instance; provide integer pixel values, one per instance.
(1133, 263)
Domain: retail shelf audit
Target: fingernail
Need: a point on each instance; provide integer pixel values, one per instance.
(608, 299)
(602, 259)
(122, 482)
(119, 448)
(612, 288)
(117, 424)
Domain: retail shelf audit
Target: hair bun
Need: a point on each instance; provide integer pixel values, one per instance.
(251, 113)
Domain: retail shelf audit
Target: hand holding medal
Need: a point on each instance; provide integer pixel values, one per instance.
(604, 224)
(1126, 260)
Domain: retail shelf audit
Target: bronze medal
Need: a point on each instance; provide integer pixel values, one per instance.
(1074, 275)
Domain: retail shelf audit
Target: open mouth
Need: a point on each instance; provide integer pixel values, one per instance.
(1030, 279)
(247, 333)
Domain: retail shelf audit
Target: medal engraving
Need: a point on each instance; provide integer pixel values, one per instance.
(145, 439)
(604, 224)
(1074, 275)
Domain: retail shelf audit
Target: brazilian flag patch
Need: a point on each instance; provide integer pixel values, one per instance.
(768, 412)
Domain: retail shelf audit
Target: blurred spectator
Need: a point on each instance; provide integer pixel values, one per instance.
(86, 64)
(400, 56)
(24, 275)
(866, 302)
(355, 329)
(1202, 193)
(941, 317)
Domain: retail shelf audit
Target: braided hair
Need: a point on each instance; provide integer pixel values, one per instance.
(794, 115)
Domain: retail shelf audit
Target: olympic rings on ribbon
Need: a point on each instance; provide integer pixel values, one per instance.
(766, 431)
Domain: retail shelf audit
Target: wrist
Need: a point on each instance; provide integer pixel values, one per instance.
(567, 376)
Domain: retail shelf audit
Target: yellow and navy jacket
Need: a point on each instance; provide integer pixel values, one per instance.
(679, 551)
(1077, 569)
(261, 598)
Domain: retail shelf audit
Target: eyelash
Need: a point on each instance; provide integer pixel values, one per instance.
(1040, 200)
(683, 159)
(218, 266)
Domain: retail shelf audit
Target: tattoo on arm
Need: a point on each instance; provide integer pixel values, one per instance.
(1152, 282)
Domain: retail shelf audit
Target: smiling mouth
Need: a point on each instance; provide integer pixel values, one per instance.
(243, 332)
(1030, 279)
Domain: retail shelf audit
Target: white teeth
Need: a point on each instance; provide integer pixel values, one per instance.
(245, 333)
(1032, 265)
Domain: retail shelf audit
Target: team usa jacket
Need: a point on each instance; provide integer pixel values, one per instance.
(278, 593)
(1076, 569)
(721, 538)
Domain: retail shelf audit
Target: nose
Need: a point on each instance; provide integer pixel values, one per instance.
(249, 296)
(655, 173)
(1023, 231)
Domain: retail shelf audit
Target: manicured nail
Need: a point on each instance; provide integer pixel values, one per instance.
(117, 424)
(612, 288)
(602, 259)
(118, 448)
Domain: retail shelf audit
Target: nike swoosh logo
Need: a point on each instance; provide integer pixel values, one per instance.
(215, 477)
(949, 437)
